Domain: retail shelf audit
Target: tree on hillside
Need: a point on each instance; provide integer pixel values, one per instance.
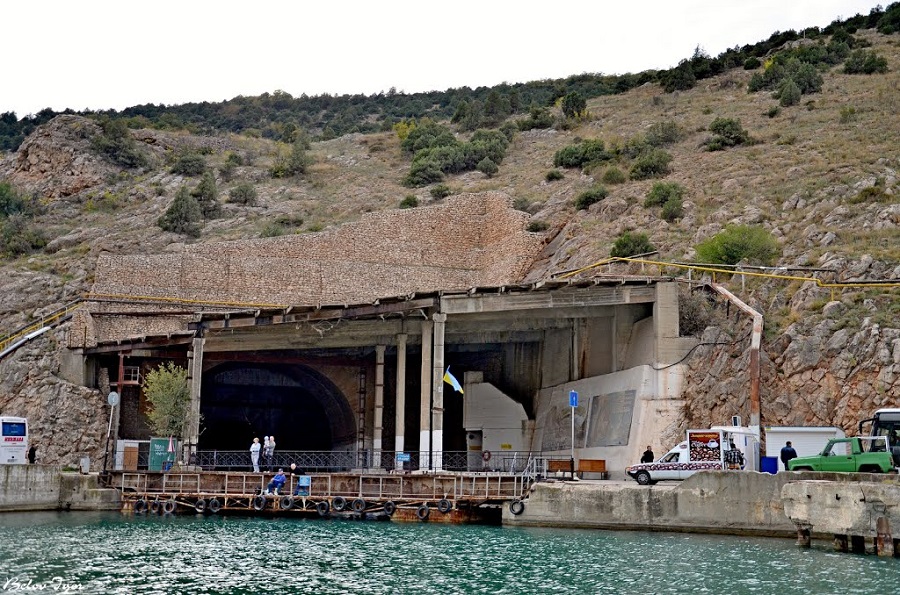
(208, 196)
(183, 215)
(573, 105)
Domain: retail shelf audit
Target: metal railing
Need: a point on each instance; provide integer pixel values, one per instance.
(509, 462)
(16, 338)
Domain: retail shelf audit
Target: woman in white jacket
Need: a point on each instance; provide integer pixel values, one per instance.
(254, 454)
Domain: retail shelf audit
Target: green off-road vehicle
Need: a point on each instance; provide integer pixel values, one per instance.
(850, 455)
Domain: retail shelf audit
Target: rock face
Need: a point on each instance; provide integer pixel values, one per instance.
(55, 161)
(66, 421)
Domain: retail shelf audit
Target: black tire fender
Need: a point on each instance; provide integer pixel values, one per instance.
(517, 507)
(422, 512)
(213, 505)
(444, 506)
(323, 508)
(286, 502)
(154, 507)
(259, 502)
(358, 505)
(200, 505)
(390, 508)
(339, 503)
(140, 506)
(169, 506)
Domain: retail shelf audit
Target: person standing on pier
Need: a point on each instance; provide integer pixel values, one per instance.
(269, 452)
(648, 456)
(254, 454)
(787, 453)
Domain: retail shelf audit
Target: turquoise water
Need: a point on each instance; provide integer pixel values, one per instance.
(114, 553)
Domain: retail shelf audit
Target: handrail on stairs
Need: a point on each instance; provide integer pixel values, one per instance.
(10, 342)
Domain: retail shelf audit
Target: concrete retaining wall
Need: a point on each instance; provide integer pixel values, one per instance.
(46, 487)
(715, 502)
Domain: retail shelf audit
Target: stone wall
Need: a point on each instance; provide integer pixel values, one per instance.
(466, 241)
(46, 487)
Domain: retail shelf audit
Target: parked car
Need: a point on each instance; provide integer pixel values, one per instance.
(867, 454)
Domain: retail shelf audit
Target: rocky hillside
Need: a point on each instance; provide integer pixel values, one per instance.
(830, 356)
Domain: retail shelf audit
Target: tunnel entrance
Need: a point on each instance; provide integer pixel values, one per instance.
(301, 407)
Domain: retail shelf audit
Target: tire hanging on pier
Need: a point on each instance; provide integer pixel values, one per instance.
(154, 507)
(517, 507)
(339, 503)
(259, 502)
(358, 505)
(390, 508)
(140, 506)
(422, 512)
(322, 508)
(445, 506)
(213, 505)
(200, 505)
(169, 506)
(286, 503)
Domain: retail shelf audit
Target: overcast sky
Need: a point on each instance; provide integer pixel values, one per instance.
(98, 54)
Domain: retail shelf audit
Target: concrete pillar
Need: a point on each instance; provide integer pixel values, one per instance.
(437, 394)
(884, 542)
(841, 543)
(192, 423)
(425, 398)
(400, 419)
(379, 406)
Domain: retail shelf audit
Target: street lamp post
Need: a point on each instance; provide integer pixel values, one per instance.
(573, 403)
(113, 400)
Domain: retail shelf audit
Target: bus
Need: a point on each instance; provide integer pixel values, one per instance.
(886, 422)
(13, 440)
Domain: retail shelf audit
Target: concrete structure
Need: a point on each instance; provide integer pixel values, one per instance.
(46, 487)
(339, 341)
(740, 503)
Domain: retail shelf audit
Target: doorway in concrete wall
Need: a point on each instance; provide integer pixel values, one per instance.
(298, 405)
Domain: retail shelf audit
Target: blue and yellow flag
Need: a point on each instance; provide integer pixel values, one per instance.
(452, 381)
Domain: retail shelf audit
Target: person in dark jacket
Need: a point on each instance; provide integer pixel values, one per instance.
(787, 453)
(648, 456)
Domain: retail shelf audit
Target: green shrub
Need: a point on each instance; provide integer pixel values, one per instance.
(294, 163)
(727, 133)
(752, 63)
(661, 192)
(581, 154)
(183, 215)
(189, 164)
(11, 202)
(440, 191)
(869, 194)
(673, 209)
(573, 105)
(17, 237)
(273, 230)
(661, 134)
(865, 62)
(631, 244)
(613, 175)
(539, 118)
(848, 114)
(773, 111)
(553, 175)
(117, 145)
(243, 194)
(737, 243)
(650, 164)
(788, 93)
(590, 196)
(537, 226)
(207, 196)
(422, 173)
(409, 202)
(487, 167)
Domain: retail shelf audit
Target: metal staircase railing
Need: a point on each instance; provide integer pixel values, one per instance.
(15, 339)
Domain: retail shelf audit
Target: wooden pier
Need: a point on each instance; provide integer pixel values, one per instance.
(447, 497)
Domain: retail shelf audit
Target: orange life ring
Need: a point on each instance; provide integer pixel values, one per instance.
(486, 456)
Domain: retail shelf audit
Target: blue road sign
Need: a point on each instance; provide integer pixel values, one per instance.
(573, 399)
